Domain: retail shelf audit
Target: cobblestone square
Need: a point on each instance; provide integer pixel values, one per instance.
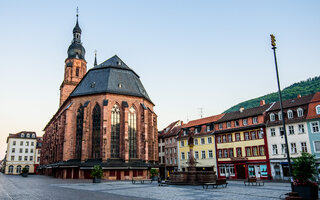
(44, 187)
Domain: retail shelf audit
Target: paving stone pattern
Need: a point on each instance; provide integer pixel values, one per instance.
(44, 187)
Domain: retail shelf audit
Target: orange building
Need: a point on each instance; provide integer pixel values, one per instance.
(241, 144)
(105, 118)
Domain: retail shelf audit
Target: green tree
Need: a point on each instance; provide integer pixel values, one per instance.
(304, 168)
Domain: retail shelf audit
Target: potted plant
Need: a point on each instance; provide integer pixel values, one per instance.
(97, 173)
(304, 171)
(154, 174)
(25, 172)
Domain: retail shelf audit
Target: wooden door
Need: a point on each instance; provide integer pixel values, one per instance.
(118, 175)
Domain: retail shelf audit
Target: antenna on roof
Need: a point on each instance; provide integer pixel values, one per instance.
(201, 112)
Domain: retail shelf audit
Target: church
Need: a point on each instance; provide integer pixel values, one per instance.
(105, 118)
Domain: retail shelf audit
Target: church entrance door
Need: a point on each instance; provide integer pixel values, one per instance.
(118, 175)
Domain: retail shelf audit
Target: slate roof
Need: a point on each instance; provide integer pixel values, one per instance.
(112, 76)
(292, 102)
(245, 113)
(18, 135)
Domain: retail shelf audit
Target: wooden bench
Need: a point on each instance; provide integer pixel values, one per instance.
(253, 181)
(141, 180)
(222, 182)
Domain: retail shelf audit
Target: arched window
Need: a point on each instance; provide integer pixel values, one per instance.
(280, 115)
(10, 169)
(18, 169)
(79, 132)
(27, 167)
(132, 124)
(318, 109)
(96, 127)
(290, 114)
(300, 112)
(272, 117)
(115, 132)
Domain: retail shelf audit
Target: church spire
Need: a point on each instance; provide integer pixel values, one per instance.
(77, 30)
(95, 58)
(76, 50)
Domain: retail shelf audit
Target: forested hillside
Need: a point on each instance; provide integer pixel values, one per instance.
(309, 86)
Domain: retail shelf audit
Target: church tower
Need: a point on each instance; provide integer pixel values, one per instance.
(75, 65)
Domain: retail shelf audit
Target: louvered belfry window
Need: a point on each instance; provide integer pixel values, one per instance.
(79, 132)
(115, 132)
(96, 128)
(132, 122)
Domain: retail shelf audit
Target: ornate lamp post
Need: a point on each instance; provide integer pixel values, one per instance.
(273, 43)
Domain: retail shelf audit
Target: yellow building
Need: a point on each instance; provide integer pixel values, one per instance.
(204, 146)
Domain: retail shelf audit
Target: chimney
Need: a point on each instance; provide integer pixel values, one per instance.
(241, 109)
(262, 102)
(299, 96)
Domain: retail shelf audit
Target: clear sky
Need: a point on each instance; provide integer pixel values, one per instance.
(189, 54)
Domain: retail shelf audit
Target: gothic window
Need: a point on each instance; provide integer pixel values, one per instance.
(115, 132)
(79, 132)
(132, 123)
(96, 127)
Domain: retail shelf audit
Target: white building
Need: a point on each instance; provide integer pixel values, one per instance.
(295, 112)
(21, 152)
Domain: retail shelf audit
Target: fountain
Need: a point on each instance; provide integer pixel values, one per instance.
(192, 177)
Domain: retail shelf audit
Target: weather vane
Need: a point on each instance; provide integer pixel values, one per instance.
(273, 40)
(77, 11)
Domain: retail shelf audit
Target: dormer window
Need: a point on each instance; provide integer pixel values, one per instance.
(255, 120)
(245, 121)
(280, 115)
(236, 123)
(22, 134)
(228, 124)
(196, 130)
(220, 126)
(272, 117)
(208, 128)
(300, 112)
(318, 109)
(28, 135)
(290, 114)
(184, 132)
(33, 135)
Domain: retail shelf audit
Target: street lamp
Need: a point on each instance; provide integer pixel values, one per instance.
(273, 44)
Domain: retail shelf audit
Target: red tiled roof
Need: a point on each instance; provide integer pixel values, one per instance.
(202, 121)
(173, 132)
(168, 128)
(312, 106)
